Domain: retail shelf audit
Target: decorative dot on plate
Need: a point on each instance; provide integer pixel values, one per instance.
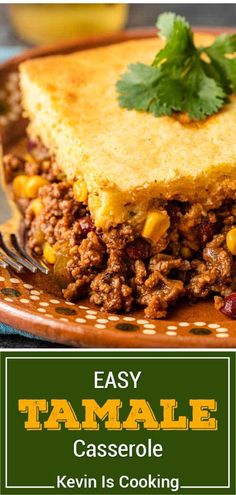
(2, 279)
(9, 291)
(44, 303)
(91, 312)
(35, 292)
(113, 318)
(34, 298)
(171, 333)
(149, 325)
(127, 327)
(69, 303)
(222, 335)
(129, 318)
(98, 325)
(48, 315)
(200, 331)
(80, 320)
(146, 331)
(65, 311)
(102, 320)
(222, 330)
(172, 327)
(24, 301)
(14, 280)
(63, 319)
(184, 324)
(28, 286)
(142, 322)
(199, 323)
(90, 317)
(41, 310)
(54, 301)
(83, 307)
(213, 325)
(8, 299)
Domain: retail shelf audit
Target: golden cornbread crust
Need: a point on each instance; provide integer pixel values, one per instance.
(127, 158)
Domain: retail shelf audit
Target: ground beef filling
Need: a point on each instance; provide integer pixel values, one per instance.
(119, 270)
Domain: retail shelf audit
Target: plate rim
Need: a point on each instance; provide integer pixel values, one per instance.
(87, 42)
(54, 331)
(73, 333)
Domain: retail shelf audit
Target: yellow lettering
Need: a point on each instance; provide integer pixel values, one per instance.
(32, 407)
(169, 422)
(62, 412)
(141, 412)
(110, 410)
(201, 419)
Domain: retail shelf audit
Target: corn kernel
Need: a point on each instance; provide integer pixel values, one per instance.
(36, 206)
(28, 158)
(49, 253)
(33, 185)
(80, 191)
(186, 252)
(19, 184)
(38, 235)
(156, 224)
(231, 241)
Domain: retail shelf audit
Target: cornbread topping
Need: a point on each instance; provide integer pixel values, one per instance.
(126, 208)
(127, 159)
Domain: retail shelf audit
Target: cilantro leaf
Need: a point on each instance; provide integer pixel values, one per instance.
(179, 43)
(226, 66)
(203, 95)
(144, 88)
(166, 23)
(180, 79)
(137, 88)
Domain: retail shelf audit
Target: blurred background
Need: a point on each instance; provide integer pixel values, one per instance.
(28, 24)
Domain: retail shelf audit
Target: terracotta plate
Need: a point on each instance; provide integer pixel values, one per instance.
(27, 304)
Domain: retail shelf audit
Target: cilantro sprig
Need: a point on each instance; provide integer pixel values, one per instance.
(182, 77)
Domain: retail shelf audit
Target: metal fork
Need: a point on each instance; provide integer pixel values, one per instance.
(12, 252)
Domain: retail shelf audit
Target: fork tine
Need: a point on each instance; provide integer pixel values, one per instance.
(21, 250)
(13, 255)
(3, 264)
(7, 260)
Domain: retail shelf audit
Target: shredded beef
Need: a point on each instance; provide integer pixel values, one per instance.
(164, 264)
(118, 269)
(206, 230)
(154, 290)
(157, 293)
(117, 238)
(13, 165)
(78, 289)
(214, 273)
(48, 169)
(111, 292)
(60, 210)
(86, 259)
(88, 254)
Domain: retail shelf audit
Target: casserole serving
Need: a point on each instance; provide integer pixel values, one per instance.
(128, 209)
